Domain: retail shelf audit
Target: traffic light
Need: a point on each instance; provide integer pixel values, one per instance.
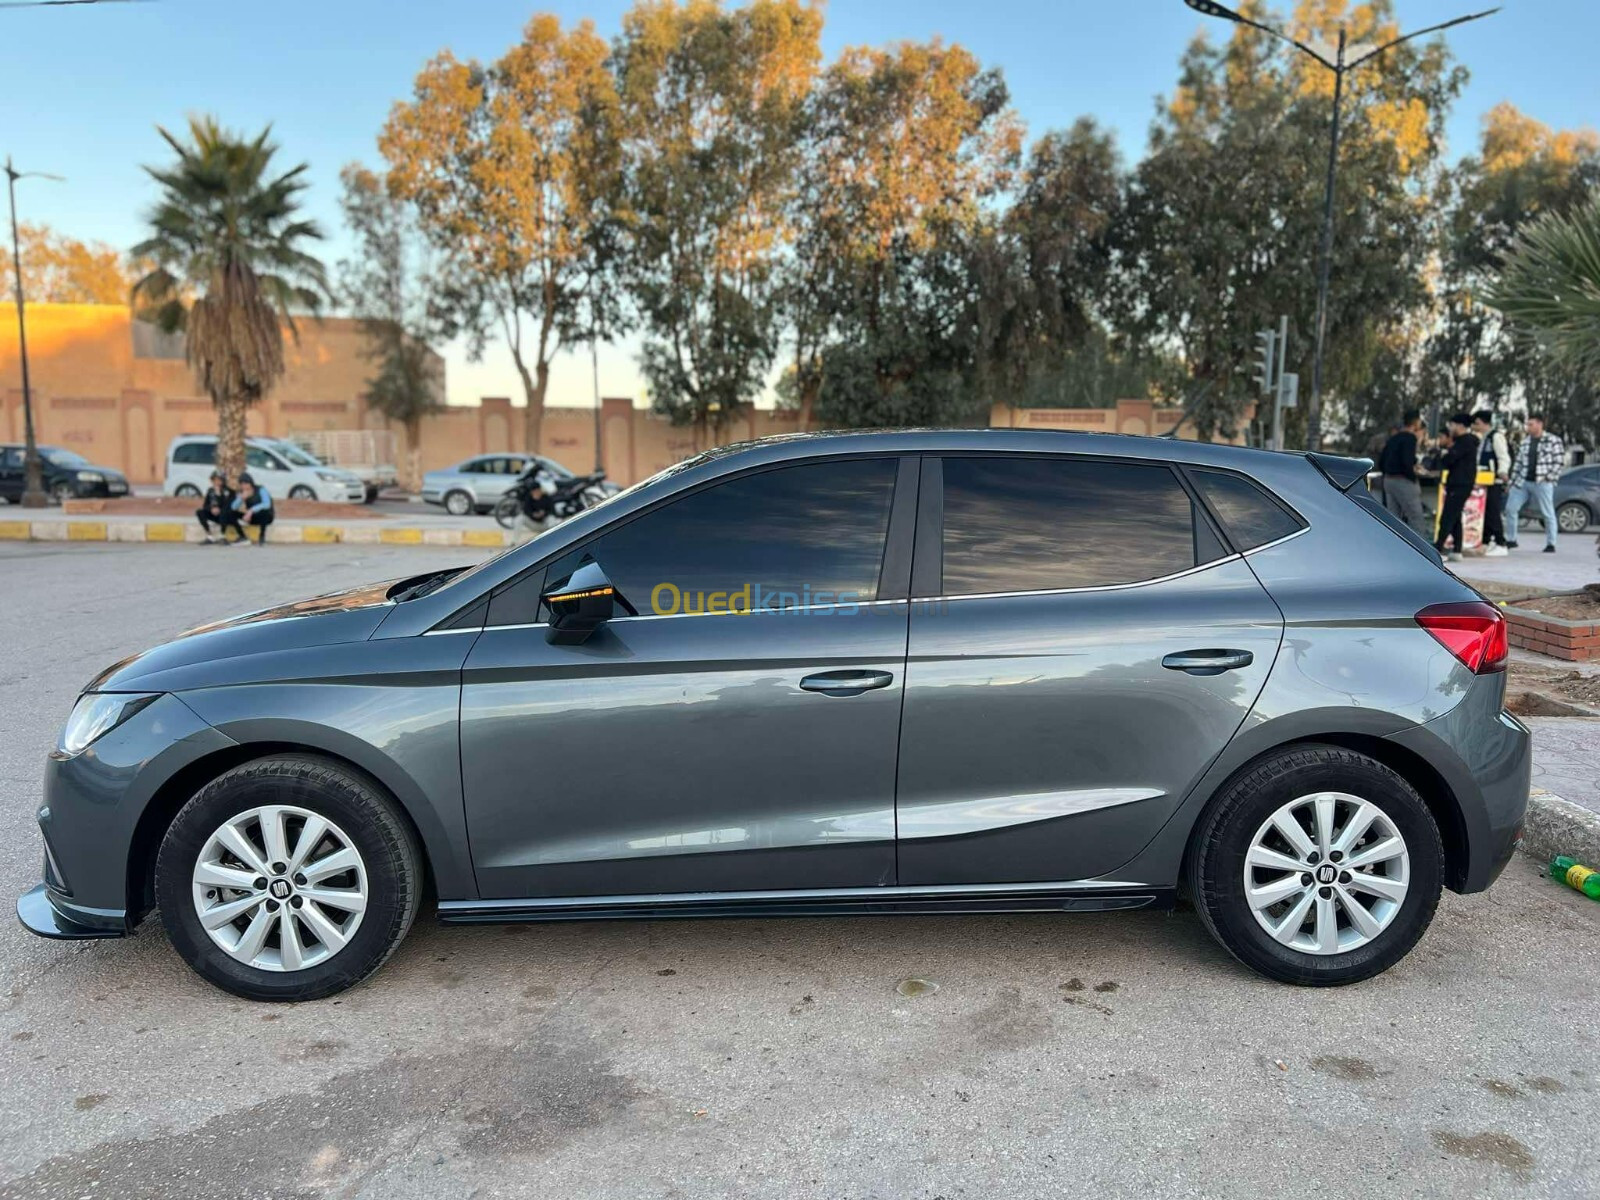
(1263, 372)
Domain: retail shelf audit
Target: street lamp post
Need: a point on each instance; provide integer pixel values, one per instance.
(1341, 63)
(33, 477)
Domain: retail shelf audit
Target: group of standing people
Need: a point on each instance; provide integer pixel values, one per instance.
(227, 509)
(1470, 444)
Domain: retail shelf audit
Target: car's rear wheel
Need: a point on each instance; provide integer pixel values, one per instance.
(1317, 866)
(187, 491)
(287, 878)
(1572, 517)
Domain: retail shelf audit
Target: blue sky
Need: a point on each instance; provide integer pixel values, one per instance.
(82, 88)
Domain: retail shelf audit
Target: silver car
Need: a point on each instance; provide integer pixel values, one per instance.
(475, 484)
(929, 672)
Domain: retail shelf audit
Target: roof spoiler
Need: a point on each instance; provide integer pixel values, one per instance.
(1343, 472)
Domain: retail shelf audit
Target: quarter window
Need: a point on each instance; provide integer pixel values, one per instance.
(1251, 516)
(1014, 524)
(196, 454)
(788, 538)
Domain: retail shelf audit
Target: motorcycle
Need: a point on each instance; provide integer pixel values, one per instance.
(571, 497)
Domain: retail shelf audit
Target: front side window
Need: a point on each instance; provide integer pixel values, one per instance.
(793, 537)
(1014, 524)
(258, 459)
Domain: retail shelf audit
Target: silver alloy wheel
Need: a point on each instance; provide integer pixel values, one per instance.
(280, 888)
(1326, 873)
(1572, 518)
(458, 503)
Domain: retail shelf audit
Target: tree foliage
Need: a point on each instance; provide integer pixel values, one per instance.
(229, 267)
(510, 167)
(385, 285)
(57, 269)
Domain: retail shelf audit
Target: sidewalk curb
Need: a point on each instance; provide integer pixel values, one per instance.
(365, 534)
(1556, 826)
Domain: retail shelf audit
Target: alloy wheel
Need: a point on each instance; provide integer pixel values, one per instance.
(1326, 873)
(1572, 518)
(280, 888)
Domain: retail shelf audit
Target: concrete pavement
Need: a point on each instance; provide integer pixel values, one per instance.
(1115, 1055)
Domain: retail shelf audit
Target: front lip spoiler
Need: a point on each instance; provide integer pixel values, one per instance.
(39, 915)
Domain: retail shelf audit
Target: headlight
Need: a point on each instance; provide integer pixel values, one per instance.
(330, 477)
(91, 477)
(97, 714)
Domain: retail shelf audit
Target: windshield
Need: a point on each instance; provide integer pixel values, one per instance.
(62, 458)
(296, 455)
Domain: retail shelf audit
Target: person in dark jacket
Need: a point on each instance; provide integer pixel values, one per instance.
(1402, 495)
(1459, 467)
(217, 508)
(254, 506)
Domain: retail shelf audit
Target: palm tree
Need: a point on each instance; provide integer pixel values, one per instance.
(229, 270)
(1549, 287)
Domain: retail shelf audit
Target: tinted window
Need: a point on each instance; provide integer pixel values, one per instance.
(1251, 516)
(1033, 524)
(10, 457)
(796, 536)
(193, 454)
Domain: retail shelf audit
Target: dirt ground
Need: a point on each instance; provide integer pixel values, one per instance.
(1526, 682)
(1570, 606)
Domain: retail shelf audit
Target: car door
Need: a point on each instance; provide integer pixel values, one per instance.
(738, 734)
(11, 474)
(270, 472)
(1082, 645)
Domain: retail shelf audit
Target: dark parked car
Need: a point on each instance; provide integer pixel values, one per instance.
(66, 475)
(945, 672)
(1577, 498)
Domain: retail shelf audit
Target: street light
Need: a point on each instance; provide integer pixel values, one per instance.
(1339, 64)
(33, 479)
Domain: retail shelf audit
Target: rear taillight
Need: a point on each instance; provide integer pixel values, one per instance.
(1474, 631)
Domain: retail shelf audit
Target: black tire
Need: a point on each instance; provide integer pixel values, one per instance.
(458, 503)
(1223, 836)
(187, 491)
(63, 491)
(301, 492)
(1573, 517)
(506, 512)
(345, 797)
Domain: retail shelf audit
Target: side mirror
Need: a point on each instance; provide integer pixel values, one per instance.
(581, 603)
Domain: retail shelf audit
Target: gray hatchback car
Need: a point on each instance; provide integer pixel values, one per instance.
(925, 672)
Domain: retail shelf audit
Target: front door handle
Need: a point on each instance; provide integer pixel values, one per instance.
(1208, 662)
(845, 683)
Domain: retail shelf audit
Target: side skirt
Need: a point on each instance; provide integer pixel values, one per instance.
(817, 902)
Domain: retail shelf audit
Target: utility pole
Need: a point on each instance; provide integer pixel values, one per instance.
(33, 477)
(1277, 392)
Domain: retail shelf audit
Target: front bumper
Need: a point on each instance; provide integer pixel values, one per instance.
(44, 914)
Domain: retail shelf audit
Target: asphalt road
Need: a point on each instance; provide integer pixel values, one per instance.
(1111, 1055)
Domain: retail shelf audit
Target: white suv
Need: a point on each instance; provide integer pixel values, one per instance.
(284, 469)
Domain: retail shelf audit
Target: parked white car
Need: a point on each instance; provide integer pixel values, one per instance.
(475, 484)
(284, 469)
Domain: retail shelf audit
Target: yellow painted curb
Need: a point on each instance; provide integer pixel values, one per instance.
(163, 531)
(86, 531)
(400, 537)
(15, 531)
(482, 537)
(320, 534)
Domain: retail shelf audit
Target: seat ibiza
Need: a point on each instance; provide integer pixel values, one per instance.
(926, 672)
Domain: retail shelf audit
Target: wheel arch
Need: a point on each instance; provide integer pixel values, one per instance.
(177, 790)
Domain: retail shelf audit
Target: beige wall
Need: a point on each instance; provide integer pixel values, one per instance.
(93, 394)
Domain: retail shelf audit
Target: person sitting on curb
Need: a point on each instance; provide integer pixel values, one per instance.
(218, 506)
(254, 505)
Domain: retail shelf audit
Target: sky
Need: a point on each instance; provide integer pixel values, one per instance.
(82, 89)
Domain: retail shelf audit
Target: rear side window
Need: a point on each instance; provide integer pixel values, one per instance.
(195, 454)
(1038, 524)
(1247, 511)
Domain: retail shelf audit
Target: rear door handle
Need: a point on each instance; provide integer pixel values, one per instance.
(845, 683)
(1208, 662)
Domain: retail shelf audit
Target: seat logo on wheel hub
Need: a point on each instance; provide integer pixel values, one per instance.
(280, 889)
(1326, 873)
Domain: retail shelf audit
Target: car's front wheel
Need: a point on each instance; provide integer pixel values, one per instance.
(287, 878)
(301, 492)
(458, 503)
(1317, 866)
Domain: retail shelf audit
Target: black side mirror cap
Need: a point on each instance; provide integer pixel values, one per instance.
(581, 603)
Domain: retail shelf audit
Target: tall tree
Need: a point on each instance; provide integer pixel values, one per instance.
(508, 166)
(229, 267)
(57, 269)
(910, 146)
(1223, 215)
(712, 102)
(385, 285)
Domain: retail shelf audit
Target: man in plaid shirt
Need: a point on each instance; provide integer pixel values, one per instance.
(1540, 460)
